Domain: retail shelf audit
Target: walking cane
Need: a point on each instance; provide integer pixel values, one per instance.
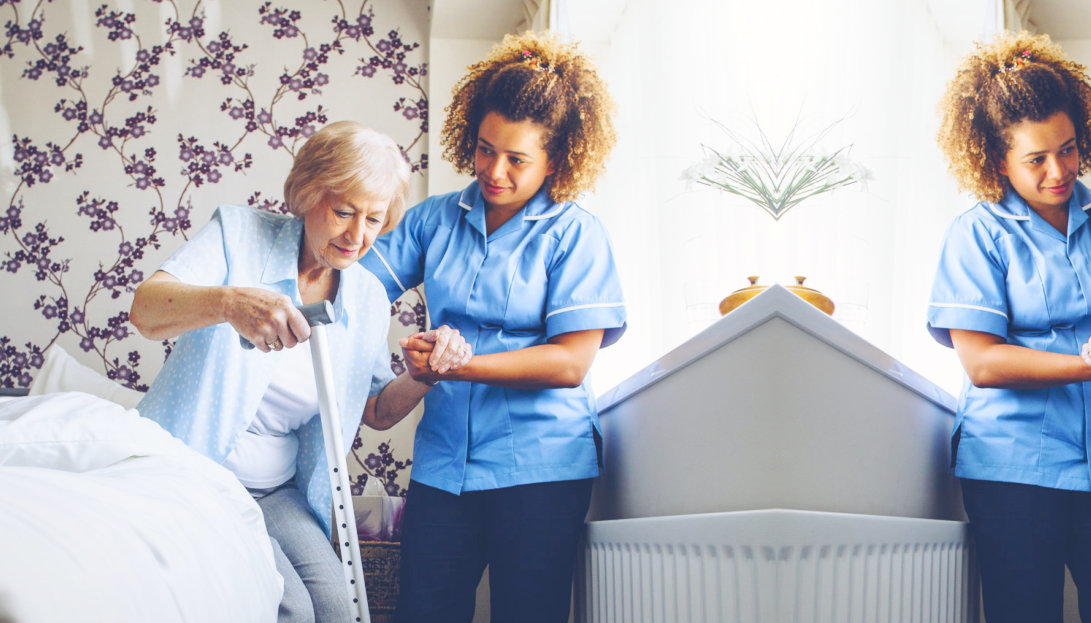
(318, 315)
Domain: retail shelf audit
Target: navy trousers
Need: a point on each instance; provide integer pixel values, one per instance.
(1025, 537)
(527, 535)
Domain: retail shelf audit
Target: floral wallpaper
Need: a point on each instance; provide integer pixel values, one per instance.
(124, 124)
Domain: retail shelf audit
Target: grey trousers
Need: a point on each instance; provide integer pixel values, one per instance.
(314, 584)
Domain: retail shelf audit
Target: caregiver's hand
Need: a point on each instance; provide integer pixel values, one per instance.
(268, 319)
(1085, 352)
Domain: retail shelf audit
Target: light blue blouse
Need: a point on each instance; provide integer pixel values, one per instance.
(209, 388)
(548, 270)
(1004, 270)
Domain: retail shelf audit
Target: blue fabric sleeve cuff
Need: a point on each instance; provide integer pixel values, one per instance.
(381, 374)
(609, 317)
(941, 319)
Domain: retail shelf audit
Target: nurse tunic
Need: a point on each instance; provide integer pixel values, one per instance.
(546, 271)
(1004, 270)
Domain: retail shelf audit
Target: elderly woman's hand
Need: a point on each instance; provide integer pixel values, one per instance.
(431, 354)
(1085, 352)
(450, 350)
(268, 319)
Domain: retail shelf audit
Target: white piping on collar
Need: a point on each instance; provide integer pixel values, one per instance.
(547, 215)
(539, 217)
(462, 201)
(1086, 207)
(992, 208)
(388, 269)
(974, 307)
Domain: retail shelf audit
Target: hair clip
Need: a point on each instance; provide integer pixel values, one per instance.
(537, 62)
(1017, 62)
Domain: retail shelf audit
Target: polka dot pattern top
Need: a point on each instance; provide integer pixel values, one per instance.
(209, 389)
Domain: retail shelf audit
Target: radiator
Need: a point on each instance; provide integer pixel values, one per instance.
(776, 566)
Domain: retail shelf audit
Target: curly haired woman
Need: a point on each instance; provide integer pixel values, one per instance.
(507, 448)
(1012, 295)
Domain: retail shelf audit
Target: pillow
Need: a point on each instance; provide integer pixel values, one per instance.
(62, 373)
(75, 431)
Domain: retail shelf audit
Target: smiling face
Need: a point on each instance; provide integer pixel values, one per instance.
(1043, 162)
(339, 230)
(509, 162)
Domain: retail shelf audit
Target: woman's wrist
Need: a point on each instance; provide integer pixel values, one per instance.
(425, 381)
(223, 303)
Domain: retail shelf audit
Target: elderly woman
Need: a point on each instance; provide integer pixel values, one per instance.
(254, 410)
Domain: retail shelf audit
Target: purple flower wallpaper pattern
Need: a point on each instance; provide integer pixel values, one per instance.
(121, 130)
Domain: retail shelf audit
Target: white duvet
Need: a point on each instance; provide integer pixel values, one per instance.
(104, 516)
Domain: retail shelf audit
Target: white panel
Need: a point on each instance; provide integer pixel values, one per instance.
(776, 406)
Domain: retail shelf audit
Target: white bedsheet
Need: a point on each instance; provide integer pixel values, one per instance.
(104, 516)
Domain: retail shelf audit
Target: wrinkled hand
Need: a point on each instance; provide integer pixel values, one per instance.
(268, 319)
(431, 354)
(450, 351)
(1085, 352)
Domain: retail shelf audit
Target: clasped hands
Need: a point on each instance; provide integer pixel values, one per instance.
(431, 354)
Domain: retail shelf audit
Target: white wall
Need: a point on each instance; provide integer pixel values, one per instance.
(1078, 50)
(448, 61)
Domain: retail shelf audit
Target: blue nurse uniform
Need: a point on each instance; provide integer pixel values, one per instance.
(501, 476)
(1004, 270)
(1022, 453)
(546, 271)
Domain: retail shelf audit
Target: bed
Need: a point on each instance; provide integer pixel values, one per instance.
(104, 516)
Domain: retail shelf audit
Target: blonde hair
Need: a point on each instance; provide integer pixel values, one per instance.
(537, 78)
(346, 157)
(1018, 77)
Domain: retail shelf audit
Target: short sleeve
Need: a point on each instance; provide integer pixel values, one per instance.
(381, 374)
(201, 261)
(397, 257)
(969, 291)
(584, 288)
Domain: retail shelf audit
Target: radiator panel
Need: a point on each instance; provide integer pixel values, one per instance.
(776, 566)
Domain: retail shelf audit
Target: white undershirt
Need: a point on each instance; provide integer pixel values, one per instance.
(264, 455)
